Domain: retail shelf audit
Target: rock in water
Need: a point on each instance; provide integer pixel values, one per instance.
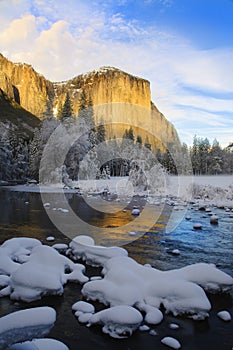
(197, 226)
(171, 342)
(224, 315)
(24, 325)
(214, 219)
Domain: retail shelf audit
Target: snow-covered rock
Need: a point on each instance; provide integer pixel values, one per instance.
(197, 226)
(214, 219)
(26, 325)
(50, 239)
(29, 270)
(60, 247)
(15, 251)
(44, 273)
(224, 315)
(171, 342)
(205, 275)
(47, 205)
(180, 291)
(118, 321)
(175, 252)
(144, 328)
(140, 284)
(83, 247)
(83, 306)
(135, 212)
(40, 344)
(174, 326)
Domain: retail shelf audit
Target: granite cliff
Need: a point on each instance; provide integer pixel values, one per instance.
(119, 99)
(15, 118)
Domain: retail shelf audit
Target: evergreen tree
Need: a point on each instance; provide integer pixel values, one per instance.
(195, 156)
(216, 162)
(66, 112)
(101, 133)
(38, 142)
(86, 113)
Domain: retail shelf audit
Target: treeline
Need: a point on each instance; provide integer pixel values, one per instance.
(202, 158)
(90, 155)
(210, 159)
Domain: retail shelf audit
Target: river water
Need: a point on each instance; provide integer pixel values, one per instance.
(23, 214)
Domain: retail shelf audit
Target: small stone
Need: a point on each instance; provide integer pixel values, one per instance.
(224, 315)
(197, 226)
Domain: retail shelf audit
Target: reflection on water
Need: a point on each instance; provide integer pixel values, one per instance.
(23, 214)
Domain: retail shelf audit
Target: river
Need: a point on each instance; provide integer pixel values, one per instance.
(23, 214)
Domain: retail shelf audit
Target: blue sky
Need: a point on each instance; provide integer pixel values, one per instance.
(183, 47)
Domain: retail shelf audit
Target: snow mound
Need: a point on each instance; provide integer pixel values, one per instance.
(171, 342)
(26, 325)
(224, 315)
(84, 307)
(127, 282)
(207, 276)
(40, 344)
(60, 247)
(135, 211)
(15, 251)
(83, 247)
(29, 270)
(50, 239)
(118, 321)
(44, 274)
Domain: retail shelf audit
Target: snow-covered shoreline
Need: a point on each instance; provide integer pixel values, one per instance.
(204, 190)
(115, 184)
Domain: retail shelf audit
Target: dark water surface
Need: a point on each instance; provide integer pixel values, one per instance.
(23, 214)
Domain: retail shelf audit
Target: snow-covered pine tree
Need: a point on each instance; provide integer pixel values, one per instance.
(38, 142)
(66, 112)
(101, 132)
(86, 112)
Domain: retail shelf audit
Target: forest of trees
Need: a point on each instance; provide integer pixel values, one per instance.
(92, 154)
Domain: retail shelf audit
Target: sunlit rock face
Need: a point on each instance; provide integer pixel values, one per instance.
(120, 100)
(30, 89)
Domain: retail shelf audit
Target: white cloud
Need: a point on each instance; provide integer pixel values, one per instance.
(19, 36)
(62, 41)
